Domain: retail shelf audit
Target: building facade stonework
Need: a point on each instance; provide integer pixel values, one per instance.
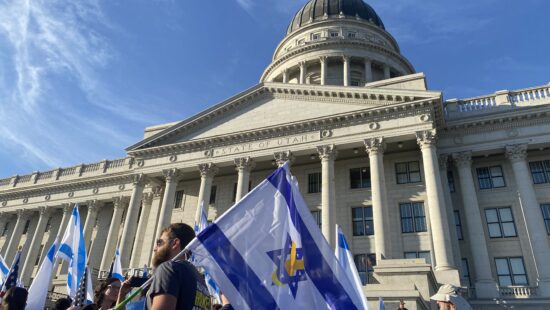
(427, 190)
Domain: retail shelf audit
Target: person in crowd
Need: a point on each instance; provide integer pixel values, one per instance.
(401, 305)
(176, 284)
(106, 293)
(15, 299)
(216, 307)
(63, 303)
(447, 298)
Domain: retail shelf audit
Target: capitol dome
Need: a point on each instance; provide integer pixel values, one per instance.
(336, 42)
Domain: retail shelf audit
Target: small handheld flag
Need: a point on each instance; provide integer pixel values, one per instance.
(39, 287)
(13, 274)
(80, 298)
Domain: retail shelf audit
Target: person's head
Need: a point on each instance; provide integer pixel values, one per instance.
(401, 305)
(172, 240)
(15, 298)
(63, 303)
(447, 298)
(107, 290)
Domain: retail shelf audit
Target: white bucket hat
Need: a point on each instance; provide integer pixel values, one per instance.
(449, 293)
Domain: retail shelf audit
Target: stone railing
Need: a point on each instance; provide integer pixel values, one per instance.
(69, 173)
(518, 291)
(128, 272)
(500, 101)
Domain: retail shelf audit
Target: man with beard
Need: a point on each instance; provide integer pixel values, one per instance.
(176, 284)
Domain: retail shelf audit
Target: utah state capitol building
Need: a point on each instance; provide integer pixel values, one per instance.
(427, 190)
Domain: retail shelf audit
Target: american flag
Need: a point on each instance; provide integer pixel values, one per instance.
(11, 279)
(80, 298)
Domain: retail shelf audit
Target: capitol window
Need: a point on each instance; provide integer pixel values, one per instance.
(212, 199)
(364, 264)
(315, 36)
(408, 172)
(26, 229)
(334, 34)
(451, 180)
(314, 182)
(540, 171)
(352, 35)
(359, 177)
(546, 215)
(362, 221)
(490, 177)
(458, 224)
(179, 199)
(500, 222)
(5, 230)
(413, 218)
(465, 269)
(317, 216)
(511, 271)
(419, 254)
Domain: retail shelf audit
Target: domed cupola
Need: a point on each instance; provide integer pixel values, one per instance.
(336, 42)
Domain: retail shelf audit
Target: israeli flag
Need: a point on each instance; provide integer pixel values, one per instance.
(267, 252)
(4, 270)
(202, 221)
(117, 267)
(344, 256)
(73, 250)
(39, 287)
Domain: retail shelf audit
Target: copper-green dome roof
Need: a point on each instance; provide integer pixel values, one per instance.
(318, 9)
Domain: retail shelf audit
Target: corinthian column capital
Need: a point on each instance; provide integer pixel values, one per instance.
(208, 170)
(282, 157)
(171, 174)
(327, 152)
(139, 179)
(375, 146)
(426, 138)
(463, 159)
(244, 164)
(516, 152)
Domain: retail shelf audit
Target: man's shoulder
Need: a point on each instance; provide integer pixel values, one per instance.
(175, 267)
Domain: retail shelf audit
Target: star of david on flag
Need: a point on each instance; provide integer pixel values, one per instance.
(267, 252)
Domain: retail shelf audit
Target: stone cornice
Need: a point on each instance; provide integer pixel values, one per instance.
(505, 120)
(333, 94)
(368, 115)
(312, 46)
(69, 186)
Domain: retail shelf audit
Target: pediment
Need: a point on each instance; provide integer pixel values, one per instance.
(270, 105)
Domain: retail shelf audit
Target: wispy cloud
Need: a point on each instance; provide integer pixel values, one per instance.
(53, 94)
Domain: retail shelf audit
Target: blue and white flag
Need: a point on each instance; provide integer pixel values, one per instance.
(202, 221)
(4, 270)
(73, 250)
(381, 303)
(267, 252)
(13, 274)
(344, 256)
(39, 287)
(117, 267)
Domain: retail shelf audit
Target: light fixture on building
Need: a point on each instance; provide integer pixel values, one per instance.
(312, 156)
(400, 145)
(355, 151)
(273, 162)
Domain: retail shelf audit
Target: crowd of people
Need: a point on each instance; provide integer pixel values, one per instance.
(177, 284)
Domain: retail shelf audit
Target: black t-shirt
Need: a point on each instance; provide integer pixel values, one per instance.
(181, 280)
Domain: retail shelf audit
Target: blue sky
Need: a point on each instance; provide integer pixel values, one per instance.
(79, 80)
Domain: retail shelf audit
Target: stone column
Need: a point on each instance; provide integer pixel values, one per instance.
(375, 148)
(90, 221)
(282, 157)
(485, 285)
(15, 238)
(5, 220)
(151, 228)
(439, 223)
(303, 72)
(207, 171)
(323, 60)
(112, 236)
(443, 167)
(368, 70)
(243, 166)
(285, 76)
(130, 222)
(327, 154)
(530, 207)
(28, 265)
(346, 75)
(387, 74)
(165, 215)
(142, 225)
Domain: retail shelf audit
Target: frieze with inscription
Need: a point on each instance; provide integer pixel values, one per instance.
(265, 144)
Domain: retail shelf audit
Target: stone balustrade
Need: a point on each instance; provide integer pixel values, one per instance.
(68, 173)
(518, 291)
(497, 102)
